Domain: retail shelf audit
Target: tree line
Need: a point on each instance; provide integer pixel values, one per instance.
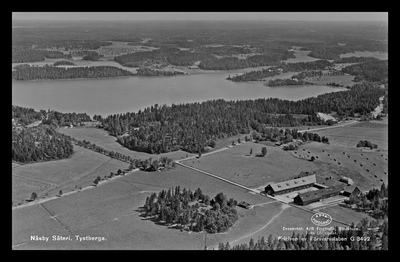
(193, 211)
(145, 165)
(34, 55)
(288, 82)
(366, 235)
(53, 72)
(280, 135)
(65, 62)
(144, 71)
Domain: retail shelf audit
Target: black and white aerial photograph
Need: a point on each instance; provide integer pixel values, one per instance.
(199, 131)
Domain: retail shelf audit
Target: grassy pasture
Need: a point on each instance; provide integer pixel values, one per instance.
(349, 136)
(109, 210)
(101, 138)
(365, 168)
(346, 80)
(345, 214)
(49, 177)
(237, 165)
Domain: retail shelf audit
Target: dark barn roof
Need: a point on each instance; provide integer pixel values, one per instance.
(318, 194)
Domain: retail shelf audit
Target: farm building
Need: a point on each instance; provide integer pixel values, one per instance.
(351, 191)
(290, 185)
(314, 196)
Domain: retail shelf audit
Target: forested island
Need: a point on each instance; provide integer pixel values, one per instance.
(54, 72)
(193, 126)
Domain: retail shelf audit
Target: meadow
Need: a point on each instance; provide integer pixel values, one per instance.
(237, 165)
(110, 210)
(367, 169)
(374, 131)
(47, 178)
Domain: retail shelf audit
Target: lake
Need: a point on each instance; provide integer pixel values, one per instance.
(130, 94)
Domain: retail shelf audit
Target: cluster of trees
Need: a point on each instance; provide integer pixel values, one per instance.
(152, 165)
(334, 84)
(376, 234)
(225, 50)
(280, 135)
(375, 200)
(194, 211)
(373, 71)
(92, 56)
(34, 55)
(56, 119)
(145, 71)
(41, 143)
(366, 143)
(53, 72)
(64, 62)
(193, 126)
(287, 82)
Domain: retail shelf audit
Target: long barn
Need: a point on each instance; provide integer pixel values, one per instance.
(314, 196)
(290, 185)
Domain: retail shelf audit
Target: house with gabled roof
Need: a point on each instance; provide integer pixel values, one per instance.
(317, 195)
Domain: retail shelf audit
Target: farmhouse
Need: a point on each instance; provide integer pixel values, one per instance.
(314, 196)
(350, 191)
(290, 185)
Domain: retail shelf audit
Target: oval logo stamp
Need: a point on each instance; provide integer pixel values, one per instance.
(321, 219)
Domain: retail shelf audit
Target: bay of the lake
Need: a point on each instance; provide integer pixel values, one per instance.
(131, 94)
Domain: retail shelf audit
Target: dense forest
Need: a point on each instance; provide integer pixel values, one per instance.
(42, 143)
(193, 211)
(26, 116)
(366, 235)
(373, 71)
(193, 126)
(177, 57)
(92, 56)
(255, 75)
(33, 55)
(144, 71)
(53, 72)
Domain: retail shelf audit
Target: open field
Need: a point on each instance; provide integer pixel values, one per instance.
(345, 214)
(376, 132)
(346, 80)
(367, 169)
(290, 220)
(101, 138)
(109, 210)
(67, 174)
(237, 165)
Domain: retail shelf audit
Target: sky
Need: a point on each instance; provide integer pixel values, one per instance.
(237, 16)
